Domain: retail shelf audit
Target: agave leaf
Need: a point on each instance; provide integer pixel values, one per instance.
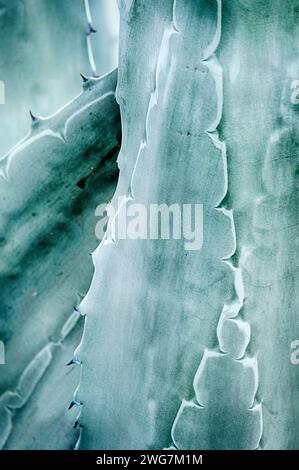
(44, 403)
(141, 347)
(48, 202)
(259, 53)
(185, 325)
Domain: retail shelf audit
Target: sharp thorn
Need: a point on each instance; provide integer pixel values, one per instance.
(74, 360)
(78, 311)
(91, 29)
(84, 78)
(33, 117)
(76, 423)
(74, 403)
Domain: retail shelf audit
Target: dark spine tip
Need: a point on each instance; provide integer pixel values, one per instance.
(75, 425)
(80, 313)
(33, 117)
(84, 78)
(73, 403)
(74, 360)
(91, 29)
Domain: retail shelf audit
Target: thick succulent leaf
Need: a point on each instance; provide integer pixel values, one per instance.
(54, 180)
(146, 350)
(172, 347)
(259, 52)
(46, 407)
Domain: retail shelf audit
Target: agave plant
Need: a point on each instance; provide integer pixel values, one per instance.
(181, 349)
